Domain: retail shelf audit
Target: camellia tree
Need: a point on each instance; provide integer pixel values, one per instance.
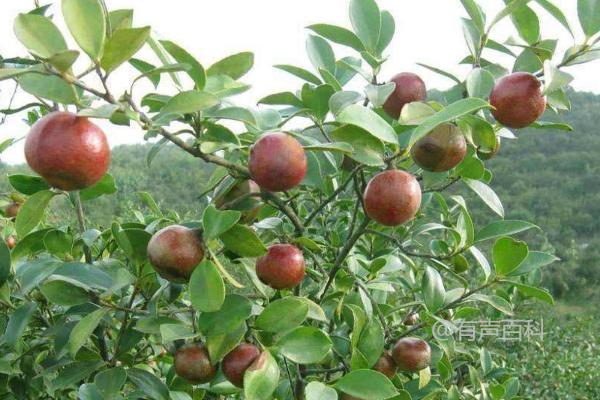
(331, 261)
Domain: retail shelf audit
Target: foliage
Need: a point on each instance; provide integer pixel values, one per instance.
(87, 316)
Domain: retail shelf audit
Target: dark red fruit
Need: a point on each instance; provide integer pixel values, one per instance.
(237, 362)
(192, 363)
(68, 151)
(386, 365)
(277, 162)
(441, 150)
(392, 197)
(174, 252)
(12, 210)
(411, 354)
(282, 267)
(409, 87)
(518, 100)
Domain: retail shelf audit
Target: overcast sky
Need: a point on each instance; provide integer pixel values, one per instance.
(427, 31)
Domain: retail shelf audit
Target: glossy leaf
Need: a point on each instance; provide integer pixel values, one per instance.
(282, 315)
(84, 328)
(366, 384)
(508, 254)
(123, 45)
(32, 212)
(85, 19)
(207, 290)
(234, 66)
(368, 120)
(39, 35)
(305, 345)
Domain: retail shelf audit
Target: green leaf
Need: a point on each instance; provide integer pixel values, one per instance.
(340, 147)
(120, 19)
(388, 28)
(472, 36)
(149, 384)
(317, 99)
(39, 35)
(282, 315)
(305, 345)
(556, 13)
(216, 222)
(300, 73)
(106, 185)
(366, 384)
(503, 228)
(506, 11)
(499, 303)
(110, 382)
(320, 53)
(534, 261)
(63, 293)
(555, 79)
(220, 345)
(32, 211)
(283, 98)
(49, 87)
(475, 13)
(340, 100)
(489, 197)
(243, 241)
(371, 342)
(74, 373)
(441, 72)
(378, 94)
(367, 149)
(234, 66)
(527, 23)
(5, 262)
(189, 102)
(338, 35)
(18, 322)
(85, 19)
(366, 21)
(531, 291)
(207, 290)
(196, 72)
(448, 114)
(433, 289)
(319, 391)
(64, 61)
(234, 311)
(508, 254)
(28, 184)
(261, 378)
(123, 45)
(105, 111)
(480, 83)
(589, 16)
(368, 120)
(84, 328)
(173, 332)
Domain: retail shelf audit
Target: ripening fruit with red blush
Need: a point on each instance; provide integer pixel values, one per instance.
(282, 267)
(518, 100)
(174, 252)
(233, 198)
(441, 150)
(392, 197)
(11, 242)
(411, 354)
(12, 210)
(192, 363)
(386, 365)
(409, 88)
(277, 162)
(68, 151)
(238, 361)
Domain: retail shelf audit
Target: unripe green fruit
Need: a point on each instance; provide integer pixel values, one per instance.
(460, 263)
(489, 155)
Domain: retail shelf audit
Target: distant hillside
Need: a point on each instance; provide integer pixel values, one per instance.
(550, 178)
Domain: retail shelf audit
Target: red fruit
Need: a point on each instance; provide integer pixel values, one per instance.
(12, 210)
(386, 365)
(11, 242)
(441, 150)
(409, 87)
(518, 100)
(277, 162)
(68, 151)
(282, 267)
(174, 252)
(237, 362)
(192, 363)
(411, 354)
(392, 197)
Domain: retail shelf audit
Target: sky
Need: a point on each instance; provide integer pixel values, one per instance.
(427, 31)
